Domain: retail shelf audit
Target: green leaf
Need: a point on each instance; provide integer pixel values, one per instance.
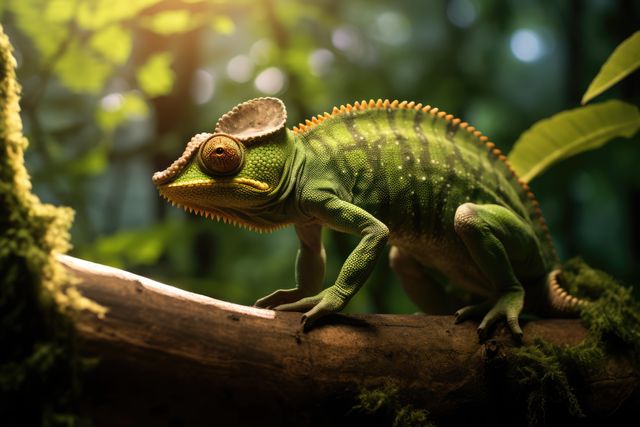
(624, 60)
(156, 76)
(571, 132)
(117, 108)
(80, 70)
(96, 14)
(223, 25)
(112, 43)
(92, 162)
(33, 18)
(171, 22)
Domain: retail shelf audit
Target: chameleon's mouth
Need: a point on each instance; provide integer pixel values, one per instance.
(206, 183)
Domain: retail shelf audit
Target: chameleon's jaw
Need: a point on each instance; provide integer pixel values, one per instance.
(210, 195)
(196, 197)
(210, 184)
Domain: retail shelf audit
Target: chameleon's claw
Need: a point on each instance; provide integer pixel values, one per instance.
(507, 307)
(316, 307)
(471, 311)
(279, 297)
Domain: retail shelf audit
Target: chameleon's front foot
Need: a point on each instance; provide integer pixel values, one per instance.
(508, 306)
(326, 302)
(281, 297)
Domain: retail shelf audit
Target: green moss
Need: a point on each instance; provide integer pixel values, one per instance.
(385, 403)
(544, 376)
(39, 373)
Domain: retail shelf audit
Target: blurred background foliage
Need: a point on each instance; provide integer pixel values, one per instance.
(113, 89)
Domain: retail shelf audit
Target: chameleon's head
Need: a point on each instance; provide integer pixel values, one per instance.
(233, 172)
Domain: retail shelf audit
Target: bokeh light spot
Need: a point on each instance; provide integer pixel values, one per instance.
(527, 45)
(320, 61)
(393, 28)
(270, 81)
(202, 86)
(461, 13)
(111, 102)
(240, 68)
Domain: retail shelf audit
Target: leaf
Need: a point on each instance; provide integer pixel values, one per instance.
(80, 70)
(117, 108)
(93, 162)
(156, 77)
(223, 25)
(112, 43)
(32, 18)
(171, 22)
(571, 132)
(95, 14)
(623, 61)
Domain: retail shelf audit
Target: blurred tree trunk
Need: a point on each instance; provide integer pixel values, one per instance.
(168, 356)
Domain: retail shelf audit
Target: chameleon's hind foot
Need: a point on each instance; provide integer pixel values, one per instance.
(508, 307)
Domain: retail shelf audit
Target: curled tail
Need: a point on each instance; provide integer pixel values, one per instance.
(557, 302)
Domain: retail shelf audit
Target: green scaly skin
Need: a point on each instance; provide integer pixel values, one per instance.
(392, 173)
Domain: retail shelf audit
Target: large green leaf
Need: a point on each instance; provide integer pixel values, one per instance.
(622, 62)
(571, 132)
(156, 77)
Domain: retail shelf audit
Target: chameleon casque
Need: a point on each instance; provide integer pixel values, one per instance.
(399, 173)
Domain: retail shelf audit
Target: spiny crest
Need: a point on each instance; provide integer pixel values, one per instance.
(302, 128)
(219, 216)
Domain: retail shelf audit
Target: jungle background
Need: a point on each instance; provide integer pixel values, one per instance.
(113, 90)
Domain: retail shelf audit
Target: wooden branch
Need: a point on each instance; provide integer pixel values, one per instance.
(171, 356)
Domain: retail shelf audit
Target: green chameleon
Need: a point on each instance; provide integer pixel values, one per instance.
(398, 173)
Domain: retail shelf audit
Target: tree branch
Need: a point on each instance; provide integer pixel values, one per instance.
(171, 355)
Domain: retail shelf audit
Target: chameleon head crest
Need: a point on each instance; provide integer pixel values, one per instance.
(254, 120)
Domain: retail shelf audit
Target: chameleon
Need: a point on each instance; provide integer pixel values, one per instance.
(394, 173)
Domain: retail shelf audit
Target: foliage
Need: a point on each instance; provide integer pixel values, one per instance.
(622, 62)
(546, 375)
(39, 370)
(584, 128)
(385, 403)
(571, 132)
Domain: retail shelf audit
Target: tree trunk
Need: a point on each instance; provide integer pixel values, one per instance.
(168, 356)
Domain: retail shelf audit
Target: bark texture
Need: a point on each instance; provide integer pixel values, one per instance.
(170, 357)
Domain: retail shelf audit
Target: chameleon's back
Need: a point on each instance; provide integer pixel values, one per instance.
(413, 166)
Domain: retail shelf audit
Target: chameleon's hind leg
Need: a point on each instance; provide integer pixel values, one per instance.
(420, 286)
(500, 243)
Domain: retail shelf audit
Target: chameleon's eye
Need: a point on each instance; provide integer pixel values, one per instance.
(221, 155)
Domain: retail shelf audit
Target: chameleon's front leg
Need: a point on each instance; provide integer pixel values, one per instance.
(345, 217)
(310, 264)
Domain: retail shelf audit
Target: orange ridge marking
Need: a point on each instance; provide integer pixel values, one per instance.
(395, 104)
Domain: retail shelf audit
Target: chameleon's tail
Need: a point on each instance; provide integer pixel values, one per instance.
(558, 302)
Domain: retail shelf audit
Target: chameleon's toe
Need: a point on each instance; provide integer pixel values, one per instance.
(316, 307)
(472, 311)
(507, 307)
(279, 297)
